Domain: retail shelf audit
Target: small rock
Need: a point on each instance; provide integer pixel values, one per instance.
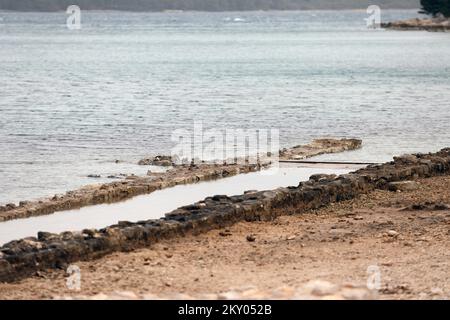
(403, 288)
(96, 176)
(437, 291)
(406, 159)
(230, 295)
(10, 206)
(89, 232)
(441, 206)
(356, 294)
(62, 265)
(392, 233)
(44, 236)
(251, 238)
(164, 161)
(322, 177)
(124, 224)
(321, 288)
(403, 186)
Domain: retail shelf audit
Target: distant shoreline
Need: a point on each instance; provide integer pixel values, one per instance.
(211, 11)
(427, 24)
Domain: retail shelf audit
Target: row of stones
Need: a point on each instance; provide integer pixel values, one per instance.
(179, 174)
(121, 190)
(24, 257)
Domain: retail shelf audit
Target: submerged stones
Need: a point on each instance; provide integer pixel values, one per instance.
(163, 161)
(320, 146)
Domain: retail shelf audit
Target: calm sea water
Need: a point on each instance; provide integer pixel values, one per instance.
(72, 102)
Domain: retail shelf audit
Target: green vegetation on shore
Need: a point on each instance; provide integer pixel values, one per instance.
(436, 7)
(201, 5)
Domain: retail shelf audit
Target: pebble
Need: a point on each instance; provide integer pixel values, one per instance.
(317, 289)
(437, 291)
(321, 288)
(225, 233)
(392, 233)
(251, 238)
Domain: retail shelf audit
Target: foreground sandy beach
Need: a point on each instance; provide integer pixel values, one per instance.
(402, 233)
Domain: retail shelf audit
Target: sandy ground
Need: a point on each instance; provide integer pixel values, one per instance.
(336, 244)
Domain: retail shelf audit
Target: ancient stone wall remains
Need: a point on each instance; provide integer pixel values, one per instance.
(25, 257)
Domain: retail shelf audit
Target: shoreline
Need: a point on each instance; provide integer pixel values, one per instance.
(23, 258)
(426, 24)
(133, 186)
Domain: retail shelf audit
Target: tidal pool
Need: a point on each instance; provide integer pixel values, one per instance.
(156, 204)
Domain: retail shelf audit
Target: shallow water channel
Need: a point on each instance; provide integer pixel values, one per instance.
(156, 204)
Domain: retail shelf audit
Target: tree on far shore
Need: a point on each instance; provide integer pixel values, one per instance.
(435, 7)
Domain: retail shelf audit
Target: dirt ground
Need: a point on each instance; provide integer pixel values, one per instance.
(336, 244)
